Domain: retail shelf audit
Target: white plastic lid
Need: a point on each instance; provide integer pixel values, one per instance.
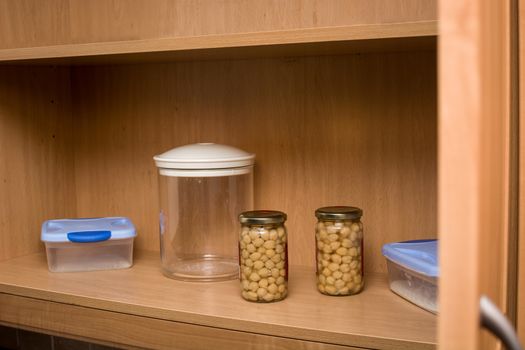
(204, 159)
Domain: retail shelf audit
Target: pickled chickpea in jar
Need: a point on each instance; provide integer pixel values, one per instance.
(263, 256)
(339, 250)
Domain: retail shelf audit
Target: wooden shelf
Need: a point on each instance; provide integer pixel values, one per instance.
(310, 41)
(375, 318)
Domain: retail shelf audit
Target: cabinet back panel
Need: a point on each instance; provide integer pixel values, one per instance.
(332, 130)
(25, 23)
(36, 157)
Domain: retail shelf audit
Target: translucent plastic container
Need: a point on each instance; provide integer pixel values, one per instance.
(88, 244)
(202, 189)
(413, 272)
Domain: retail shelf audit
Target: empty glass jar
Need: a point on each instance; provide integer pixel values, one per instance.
(339, 248)
(263, 256)
(202, 189)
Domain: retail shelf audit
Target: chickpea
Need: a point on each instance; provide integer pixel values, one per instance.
(346, 243)
(276, 258)
(333, 237)
(272, 288)
(270, 252)
(269, 244)
(245, 284)
(344, 268)
(336, 258)
(330, 289)
(264, 272)
(263, 283)
(333, 267)
(255, 256)
(253, 234)
(252, 296)
(268, 297)
(335, 246)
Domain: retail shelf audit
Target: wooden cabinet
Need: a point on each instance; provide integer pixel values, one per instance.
(339, 101)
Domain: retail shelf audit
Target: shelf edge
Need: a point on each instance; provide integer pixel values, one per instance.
(287, 37)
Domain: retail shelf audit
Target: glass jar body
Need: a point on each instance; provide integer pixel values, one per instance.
(263, 262)
(339, 248)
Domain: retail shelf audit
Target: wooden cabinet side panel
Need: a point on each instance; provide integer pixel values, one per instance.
(521, 239)
(29, 23)
(36, 157)
(123, 330)
(473, 189)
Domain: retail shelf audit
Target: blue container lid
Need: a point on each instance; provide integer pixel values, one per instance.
(419, 256)
(87, 230)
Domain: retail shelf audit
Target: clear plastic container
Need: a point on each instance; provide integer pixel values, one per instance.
(413, 272)
(339, 248)
(202, 189)
(88, 244)
(69, 257)
(263, 256)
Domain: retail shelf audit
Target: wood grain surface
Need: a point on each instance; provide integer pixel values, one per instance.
(299, 42)
(474, 144)
(28, 23)
(336, 130)
(36, 157)
(520, 321)
(135, 332)
(376, 318)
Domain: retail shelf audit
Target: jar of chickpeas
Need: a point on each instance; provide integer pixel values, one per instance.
(339, 248)
(263, 256)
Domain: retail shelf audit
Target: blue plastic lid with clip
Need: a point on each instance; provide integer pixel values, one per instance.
(420, 256)
(87, 230)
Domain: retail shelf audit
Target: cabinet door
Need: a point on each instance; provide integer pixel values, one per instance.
(474, 166)
(521, 247)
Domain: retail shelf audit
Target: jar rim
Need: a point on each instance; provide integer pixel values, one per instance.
(339, 213)
(262, 217)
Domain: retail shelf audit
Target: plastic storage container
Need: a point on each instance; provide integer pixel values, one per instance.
(413, 271)
(88, 244)
(339, 249)
(263, 256)
(202, 188)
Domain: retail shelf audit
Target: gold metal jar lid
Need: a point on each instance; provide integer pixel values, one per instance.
(338, 213)
(262, 217)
